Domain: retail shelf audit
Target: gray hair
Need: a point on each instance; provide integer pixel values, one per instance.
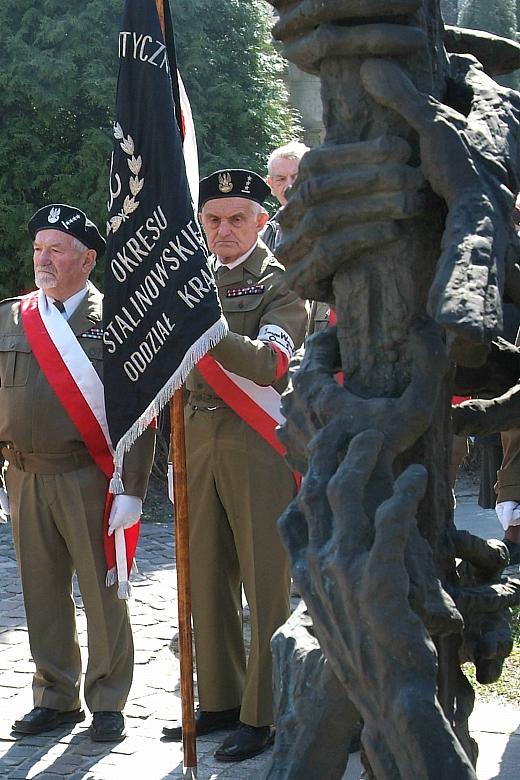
(294, 150)
(79, 245)
(258, 208)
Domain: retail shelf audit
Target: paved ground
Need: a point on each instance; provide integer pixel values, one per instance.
(155, 693)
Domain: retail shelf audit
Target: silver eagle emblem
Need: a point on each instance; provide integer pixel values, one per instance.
(54, 215)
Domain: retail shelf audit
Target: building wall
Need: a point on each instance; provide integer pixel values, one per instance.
(304, 91)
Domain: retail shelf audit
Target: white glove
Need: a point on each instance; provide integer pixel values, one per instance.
(508, 513)
(4, 505)
(171, 491)
(125, 512)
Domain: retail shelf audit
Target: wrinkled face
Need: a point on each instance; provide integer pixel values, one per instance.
(282, 175)
(231, 226)
(60, 268)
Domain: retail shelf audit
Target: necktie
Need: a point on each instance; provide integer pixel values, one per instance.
(59, 305)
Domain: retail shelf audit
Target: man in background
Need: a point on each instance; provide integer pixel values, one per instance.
(282, 170)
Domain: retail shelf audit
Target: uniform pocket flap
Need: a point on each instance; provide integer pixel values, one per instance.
(94, 349)
(241, 303)
(14, 343)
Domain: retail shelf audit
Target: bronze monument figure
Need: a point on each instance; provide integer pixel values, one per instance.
(401, 220)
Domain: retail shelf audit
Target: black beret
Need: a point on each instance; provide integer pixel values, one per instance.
(70, 220)
(233, 183)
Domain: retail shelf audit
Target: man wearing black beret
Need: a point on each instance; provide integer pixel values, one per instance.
(51, 432)
(238, 481)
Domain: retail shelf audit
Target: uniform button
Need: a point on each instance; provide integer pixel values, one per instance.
(249, 281)
(240, 305)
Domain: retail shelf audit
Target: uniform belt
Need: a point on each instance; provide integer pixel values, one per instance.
(43, 463)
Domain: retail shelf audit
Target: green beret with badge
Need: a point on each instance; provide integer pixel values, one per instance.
(69, 220)
(233, 183)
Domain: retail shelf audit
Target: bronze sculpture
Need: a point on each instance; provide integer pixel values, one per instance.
(401, 220)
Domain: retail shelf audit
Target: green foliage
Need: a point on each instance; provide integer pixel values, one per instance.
(499, 17)
(59, 66)
(232, 76)
(58, 63)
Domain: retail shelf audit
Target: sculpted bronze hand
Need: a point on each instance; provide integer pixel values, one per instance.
(345, 205)
(318, 399)
(312, 30)
(471, 161)
(342, 569)
(484, 598)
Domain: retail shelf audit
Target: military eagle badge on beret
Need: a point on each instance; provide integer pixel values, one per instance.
(224, 182)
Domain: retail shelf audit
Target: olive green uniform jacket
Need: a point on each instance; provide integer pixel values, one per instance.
(237, 488)
(57, 496)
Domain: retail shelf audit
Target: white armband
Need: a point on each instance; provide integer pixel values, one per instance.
(278, 337)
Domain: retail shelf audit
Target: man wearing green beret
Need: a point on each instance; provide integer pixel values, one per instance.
(238, 481)
(58, 455)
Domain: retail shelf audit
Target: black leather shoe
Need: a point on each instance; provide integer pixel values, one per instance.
(206, 722)
(514, 551)
(107, 726)
(46, 719)
(245, 742)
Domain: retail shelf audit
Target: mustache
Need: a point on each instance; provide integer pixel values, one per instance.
(46, 270)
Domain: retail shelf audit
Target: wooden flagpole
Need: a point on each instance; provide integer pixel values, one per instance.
(182, 550)
(178, 447)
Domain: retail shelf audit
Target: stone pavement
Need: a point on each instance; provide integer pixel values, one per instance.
(155, 698)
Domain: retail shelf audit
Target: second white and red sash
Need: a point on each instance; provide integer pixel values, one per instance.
(80, 391)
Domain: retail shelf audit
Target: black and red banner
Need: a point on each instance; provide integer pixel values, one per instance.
(161, 311)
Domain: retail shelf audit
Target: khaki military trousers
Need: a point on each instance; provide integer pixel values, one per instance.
(57, 529)
(237, 488)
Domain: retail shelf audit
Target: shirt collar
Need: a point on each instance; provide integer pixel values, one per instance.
(72, 303)
(237, 262)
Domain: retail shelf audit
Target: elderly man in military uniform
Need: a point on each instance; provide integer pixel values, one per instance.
(238, 482)
(50, 364)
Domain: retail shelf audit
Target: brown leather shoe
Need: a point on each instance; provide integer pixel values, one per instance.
(246, 742)
(42, 719)
(206, 722)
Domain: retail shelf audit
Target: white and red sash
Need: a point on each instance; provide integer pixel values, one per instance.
(80, 391)
(258, 406)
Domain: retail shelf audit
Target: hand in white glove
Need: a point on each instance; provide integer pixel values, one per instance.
(4, 505)
(125, 512)
(508, 513)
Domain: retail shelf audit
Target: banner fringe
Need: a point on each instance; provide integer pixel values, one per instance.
(111, 577)
(207, 341)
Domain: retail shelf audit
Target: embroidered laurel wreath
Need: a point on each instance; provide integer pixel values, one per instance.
(135, 184)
